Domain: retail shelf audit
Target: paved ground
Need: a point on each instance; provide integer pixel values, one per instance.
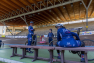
(5, 52)
(22, 41)
(13, 41)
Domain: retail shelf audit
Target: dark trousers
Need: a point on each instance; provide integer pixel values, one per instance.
(0, 44)
(29, 43)
(50, 41)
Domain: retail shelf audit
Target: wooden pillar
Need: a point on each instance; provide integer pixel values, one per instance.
(23, 53)
(85, 55)
(51, 56)
(35, 55)
(16, 50)
(62, 56)
(13, 53)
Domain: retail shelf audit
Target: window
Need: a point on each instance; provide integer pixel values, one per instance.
(8, 30)
(18, 30)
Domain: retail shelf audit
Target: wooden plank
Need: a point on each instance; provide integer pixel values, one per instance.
(38, 47)
(35, 47)
(76, 49)
(15, 46)
(39, 58)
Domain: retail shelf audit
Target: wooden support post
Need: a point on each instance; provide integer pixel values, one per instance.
(62, 56)
(13, 53)
(51, 56)
(16, 50)
(35, 55)
(85, 55)
(23, 53)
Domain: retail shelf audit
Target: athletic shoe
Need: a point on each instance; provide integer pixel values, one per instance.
(58, 57)
(30, 51)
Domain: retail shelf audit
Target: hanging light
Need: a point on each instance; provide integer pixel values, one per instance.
(49, 10)
(80, 3)
(38, 13)
(64, 7)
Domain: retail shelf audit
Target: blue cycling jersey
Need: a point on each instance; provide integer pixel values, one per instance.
(65, 38)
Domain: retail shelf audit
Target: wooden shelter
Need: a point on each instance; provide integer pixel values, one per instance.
(42, 12)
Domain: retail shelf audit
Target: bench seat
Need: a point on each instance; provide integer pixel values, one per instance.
(85, 49)
(35, 48)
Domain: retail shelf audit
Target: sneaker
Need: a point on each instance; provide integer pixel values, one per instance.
(82, 60)
(58, 57)
(30, 51)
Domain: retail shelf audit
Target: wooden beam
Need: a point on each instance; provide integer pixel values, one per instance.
(50, 7)
(67, 12)
(50, 16)
(6, 5)
(92, 10)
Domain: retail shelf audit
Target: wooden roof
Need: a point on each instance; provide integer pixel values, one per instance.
(65, 13)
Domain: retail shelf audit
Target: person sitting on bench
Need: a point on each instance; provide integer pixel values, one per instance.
(65, 39)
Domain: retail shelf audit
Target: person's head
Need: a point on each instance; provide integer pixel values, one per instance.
(50, 30)
(59, 26)
(31, 23)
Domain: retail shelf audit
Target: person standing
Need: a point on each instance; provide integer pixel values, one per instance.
(30, 34)
(50, 35)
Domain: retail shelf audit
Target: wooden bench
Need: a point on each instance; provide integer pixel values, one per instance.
(14, 52)
(85, 49)
(23, 47)
(50, 49)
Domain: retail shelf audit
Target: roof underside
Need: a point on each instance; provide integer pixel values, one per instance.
(64, 13)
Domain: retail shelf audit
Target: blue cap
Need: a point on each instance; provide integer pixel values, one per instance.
(50, 29)
(31, 22)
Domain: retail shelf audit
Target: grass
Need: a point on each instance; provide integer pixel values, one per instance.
(2, 62)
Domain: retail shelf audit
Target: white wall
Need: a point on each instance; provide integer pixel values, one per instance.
(2, 29)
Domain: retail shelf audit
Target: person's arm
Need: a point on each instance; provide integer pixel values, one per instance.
(48, 35)
(58, 36)
(27, 36)
(31, 29)
(74, 34)
(53, 34)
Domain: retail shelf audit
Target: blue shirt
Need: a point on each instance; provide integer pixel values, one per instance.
(50, 35)
(63, 33)
(31, 30)
(65, 38)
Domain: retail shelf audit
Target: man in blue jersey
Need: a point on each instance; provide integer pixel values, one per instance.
(30, 34)
(65, 39)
